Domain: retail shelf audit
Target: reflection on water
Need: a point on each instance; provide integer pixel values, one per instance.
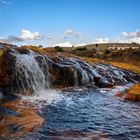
(89, 111)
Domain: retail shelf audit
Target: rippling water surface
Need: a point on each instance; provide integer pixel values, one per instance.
(89, 111)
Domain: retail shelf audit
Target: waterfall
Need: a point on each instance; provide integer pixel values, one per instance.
(31, 78)
(31, 73)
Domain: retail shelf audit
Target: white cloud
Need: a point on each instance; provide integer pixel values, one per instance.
(131, 34)
(69, 44)
(64, 44)
(101, 40)
(71, 33)
(3, 40)
(26, 35)
(81, 44)
(129, 37)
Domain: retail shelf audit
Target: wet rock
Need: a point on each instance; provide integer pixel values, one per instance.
(6, 71)
(1, 95)
(75, 135)
(119, 94)
(1, 113)
(129, 97)
(23, 50)
(102, 83)
(131, 94)
(22, 121)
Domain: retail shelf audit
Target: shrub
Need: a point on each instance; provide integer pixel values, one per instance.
(81, 49)
(58, 49)
(107, 52)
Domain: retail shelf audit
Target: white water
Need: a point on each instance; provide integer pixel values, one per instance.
(44, 97)
(30, 74)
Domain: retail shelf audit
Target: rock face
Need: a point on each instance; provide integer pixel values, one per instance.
(24, 71)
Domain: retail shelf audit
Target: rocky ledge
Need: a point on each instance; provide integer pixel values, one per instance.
(132, 94)
(18, 118)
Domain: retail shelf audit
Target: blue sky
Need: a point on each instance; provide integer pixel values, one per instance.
(50, 22)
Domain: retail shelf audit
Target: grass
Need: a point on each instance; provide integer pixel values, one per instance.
(127, 66)
(133, 67)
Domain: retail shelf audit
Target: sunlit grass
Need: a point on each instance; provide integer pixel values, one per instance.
(127, 66)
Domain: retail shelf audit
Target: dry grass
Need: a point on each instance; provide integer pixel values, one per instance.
(134, 67)
(1, 52)
(42, 51)
(126, 66)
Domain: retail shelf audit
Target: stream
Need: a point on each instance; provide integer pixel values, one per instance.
(87, 110)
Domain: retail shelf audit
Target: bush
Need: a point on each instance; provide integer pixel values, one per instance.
(58, 49)
(107, 52)
(81, 49)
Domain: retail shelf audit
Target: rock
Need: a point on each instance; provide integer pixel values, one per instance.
(119, 94)
(1, 95)
(23, 50)
(25, 119)
(75, 135)
(102, 82)
(129, 97)
(133, 94)
(7, 71)
(1, 113)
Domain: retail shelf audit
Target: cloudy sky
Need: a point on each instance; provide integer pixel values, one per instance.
(67, 22)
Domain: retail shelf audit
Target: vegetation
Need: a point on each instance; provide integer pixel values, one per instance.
(81, 49)
(58, 49)
(1, 52)
(34, 48)
(126, 66)
(107, 52)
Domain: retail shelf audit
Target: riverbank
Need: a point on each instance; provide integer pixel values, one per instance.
(19, 117)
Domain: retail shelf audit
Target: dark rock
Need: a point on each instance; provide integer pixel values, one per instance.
(23, 50)
(102, 82)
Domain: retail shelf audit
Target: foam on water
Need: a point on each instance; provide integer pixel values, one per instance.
(44, 97)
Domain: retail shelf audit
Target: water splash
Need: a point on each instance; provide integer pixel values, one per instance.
(44, 97)
(29, 74)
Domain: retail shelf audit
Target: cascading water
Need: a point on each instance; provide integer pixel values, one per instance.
(29, 74)
(32, 73)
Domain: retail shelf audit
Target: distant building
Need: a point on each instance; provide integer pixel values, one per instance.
(124, 46)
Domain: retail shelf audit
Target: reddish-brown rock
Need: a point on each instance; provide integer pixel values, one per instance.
(25, 120)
